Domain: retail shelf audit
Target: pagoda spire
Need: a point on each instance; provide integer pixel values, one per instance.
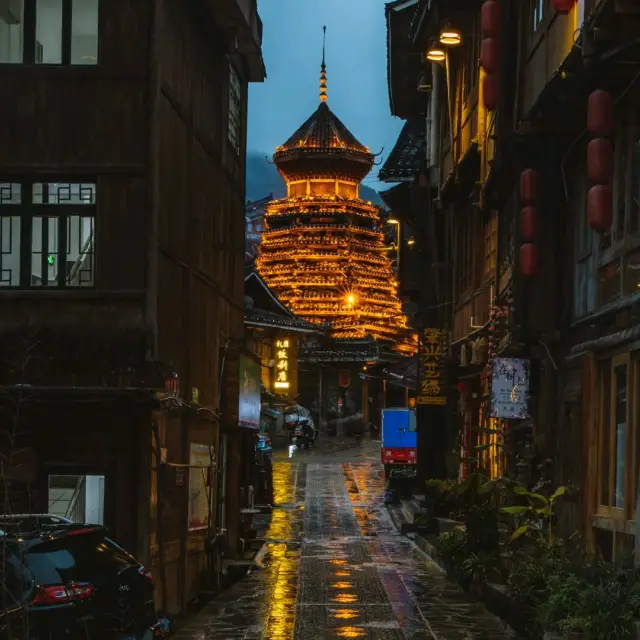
(323, 68)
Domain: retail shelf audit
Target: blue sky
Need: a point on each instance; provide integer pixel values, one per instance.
(356, 72)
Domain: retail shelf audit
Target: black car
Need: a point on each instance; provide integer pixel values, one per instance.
(71, 581)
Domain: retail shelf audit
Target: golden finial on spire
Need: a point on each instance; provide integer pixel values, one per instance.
(323, 69)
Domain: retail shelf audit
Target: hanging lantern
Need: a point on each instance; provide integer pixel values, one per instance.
(491, 19)
(600, 160)
(529, 186)
(600, 207)
(529, 259)
(563, 6)
(491, 91)
(490, 55)
(600, 113)
(529, 224)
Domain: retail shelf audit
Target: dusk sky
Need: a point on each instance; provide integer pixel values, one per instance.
(356, 72)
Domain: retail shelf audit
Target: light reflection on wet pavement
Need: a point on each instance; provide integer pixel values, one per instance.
(335, 567)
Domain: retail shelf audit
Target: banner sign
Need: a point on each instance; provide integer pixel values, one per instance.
(510, 388)
(431, 353)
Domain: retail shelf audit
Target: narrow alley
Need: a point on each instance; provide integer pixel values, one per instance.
(335, 567)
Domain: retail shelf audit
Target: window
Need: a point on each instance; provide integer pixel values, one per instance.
(47, 234)
(49, 31)
(235, 109)
(537, 13)
(490, 245)
(615, 447)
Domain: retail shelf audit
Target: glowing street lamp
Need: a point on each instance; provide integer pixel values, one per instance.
(393, 221)
(450, 36)
(351, 300)
(436, 54)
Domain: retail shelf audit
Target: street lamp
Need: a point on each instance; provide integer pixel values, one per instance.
(436, 53)
(450, 36)
(393, 220)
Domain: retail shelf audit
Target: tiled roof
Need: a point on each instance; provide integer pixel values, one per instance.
(258, 317)
(323, 130)
(408, 155)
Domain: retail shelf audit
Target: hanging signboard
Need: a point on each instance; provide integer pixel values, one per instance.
(249, 405)
(282, 364)
(510, 388)
(431, 353)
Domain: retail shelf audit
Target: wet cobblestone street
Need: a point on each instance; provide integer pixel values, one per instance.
(334, 566)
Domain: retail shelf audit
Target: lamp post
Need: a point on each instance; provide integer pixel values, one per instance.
(396, 223)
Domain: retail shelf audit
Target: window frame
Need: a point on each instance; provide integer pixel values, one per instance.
(27, 211)
(627, 512)
(29, 32)
(235, 110)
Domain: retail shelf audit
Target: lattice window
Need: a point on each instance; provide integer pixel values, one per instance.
(347, 190)
(298, 190)
(47, 234)
(323, 188)
(235, 109)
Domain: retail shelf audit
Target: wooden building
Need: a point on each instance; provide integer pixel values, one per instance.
(533, 170)
(121, 272)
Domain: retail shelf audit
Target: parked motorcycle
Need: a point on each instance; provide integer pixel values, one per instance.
(304, 435)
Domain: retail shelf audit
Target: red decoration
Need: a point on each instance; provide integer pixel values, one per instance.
(461, 387)
(600, 160)
(600, 207)
(529, 259)
(563, 6)
(344, 379)
(491, 19)
(600, 113)
(529, 224)
(491, 91)
(529, 186)
(490, 55)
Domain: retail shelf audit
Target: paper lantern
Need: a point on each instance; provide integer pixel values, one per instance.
(491, 91)
(529, 187)
(600, 160)
(600, 113)
(529, 259)
(600, 207)
(491, 19)
(490, 55)
(529, 224)
(563, 6)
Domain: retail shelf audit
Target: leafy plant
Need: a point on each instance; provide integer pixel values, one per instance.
(452, 547)
(480, 568)
(536, 515)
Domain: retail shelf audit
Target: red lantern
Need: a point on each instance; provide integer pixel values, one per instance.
(600, 160)
(461, 387)
(529, 259)
(563, 6)
(529, 186)
(600, 207)
(491, 19)
(490, 55)
(529, 224)
(344, 379)
(600, 113)
(491, 91)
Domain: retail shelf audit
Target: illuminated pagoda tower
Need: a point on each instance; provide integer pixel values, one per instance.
(323, 251)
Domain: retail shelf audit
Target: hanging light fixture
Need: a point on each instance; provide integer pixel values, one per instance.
(436, 53)
(450, 36)
(424, 84)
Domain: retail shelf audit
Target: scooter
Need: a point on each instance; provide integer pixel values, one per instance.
(304, 435)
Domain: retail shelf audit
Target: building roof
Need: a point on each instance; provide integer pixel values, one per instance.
(409, 153)
(323, 130)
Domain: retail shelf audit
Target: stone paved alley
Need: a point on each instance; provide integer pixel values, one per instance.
(335, 566)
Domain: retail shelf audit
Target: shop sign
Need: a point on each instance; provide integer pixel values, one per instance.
(431, 353)
(510, 388)
(282, 381)
(249, 405)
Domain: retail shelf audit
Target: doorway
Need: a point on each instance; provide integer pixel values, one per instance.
(77, 497)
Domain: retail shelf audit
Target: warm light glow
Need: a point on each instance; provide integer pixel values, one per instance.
(351, 299)
(281, 385)
(282, 364)
(450, 37)
(393, 221)
(436, 54)
(411, 241)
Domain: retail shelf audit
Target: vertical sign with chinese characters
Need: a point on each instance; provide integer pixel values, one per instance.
(510, 388)
(431, 353)
(282, 381)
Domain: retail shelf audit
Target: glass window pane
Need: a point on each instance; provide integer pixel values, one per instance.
(605, 436)
(11, 30)
(48, 32)
(620, 374)
(44, 252)
(10, 192)
(64, 193)
(9, 251)
(80, 251)
(84, 32)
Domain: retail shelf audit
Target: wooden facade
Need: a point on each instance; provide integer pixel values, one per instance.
(146, 138)
(576, 320)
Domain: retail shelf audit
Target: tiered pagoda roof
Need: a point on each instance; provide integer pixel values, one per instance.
(323, 252)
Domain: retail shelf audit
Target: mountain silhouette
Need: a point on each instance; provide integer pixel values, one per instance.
(263, 178)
